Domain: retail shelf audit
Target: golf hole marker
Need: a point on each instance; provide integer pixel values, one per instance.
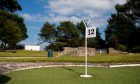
(90, 32)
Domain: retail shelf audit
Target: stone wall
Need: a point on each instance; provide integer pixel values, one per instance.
(114, 51)
(80, 51)
(69, 49)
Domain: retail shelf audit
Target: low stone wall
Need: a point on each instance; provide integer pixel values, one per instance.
(69, 49)
(80, 51)
(114, 51)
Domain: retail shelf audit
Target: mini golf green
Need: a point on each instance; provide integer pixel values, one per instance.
(71, 75)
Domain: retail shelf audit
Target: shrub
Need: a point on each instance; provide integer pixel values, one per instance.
(122, 47)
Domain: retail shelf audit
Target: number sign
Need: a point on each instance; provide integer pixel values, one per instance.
(90, 32)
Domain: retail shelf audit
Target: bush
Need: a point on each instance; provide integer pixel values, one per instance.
(136, 49)
(122, 47)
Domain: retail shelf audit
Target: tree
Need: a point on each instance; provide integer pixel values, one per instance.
(81, 28)
(119, 31)
(122, 28)
(68, 34)
(11, 33)
(132, 11)
(97, 42)
(47, 33)
(12, 27)
(10, 5)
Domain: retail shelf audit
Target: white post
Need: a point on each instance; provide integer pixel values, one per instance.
(85, 54)
(100, 51)
(86, 74)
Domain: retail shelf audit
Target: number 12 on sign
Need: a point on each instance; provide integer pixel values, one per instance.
(90, 32)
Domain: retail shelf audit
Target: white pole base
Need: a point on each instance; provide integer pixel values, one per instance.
(86, 76)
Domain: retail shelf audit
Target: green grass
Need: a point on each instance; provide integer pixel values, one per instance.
(71, 75)
(124, 58)
(42, 56)
(23, 53)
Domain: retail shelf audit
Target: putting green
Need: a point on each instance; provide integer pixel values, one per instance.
(71, 75)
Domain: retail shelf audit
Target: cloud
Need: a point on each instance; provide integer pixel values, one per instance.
(120, 1)
(34, 27)
(27, 16)
(70, 7)
(34, 17)
(50, 18)
(75, 10)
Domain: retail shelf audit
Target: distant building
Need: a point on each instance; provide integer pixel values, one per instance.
(32, 47)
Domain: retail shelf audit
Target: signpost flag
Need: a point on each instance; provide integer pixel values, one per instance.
(89, 33)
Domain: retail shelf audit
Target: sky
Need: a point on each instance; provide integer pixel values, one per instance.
(37, 12)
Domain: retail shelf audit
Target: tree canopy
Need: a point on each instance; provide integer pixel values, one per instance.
(47, 32)
(12, 27)
(123, 28)
(97, 42)
(10, 5)
(68, 34)
(131, 9)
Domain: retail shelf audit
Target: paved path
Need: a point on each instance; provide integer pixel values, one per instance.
(6, 67)
(10, 66)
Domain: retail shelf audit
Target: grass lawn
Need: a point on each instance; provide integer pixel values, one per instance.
(105, 58)
(71, 75)
(42, 56)
(23, 53)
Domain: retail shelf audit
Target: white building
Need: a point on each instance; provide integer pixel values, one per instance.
(32, 47)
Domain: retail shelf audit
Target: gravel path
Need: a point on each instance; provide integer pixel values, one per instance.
(6, 67)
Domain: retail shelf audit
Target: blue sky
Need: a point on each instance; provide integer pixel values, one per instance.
(37, 12)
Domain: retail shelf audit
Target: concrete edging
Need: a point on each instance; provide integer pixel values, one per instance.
(124, 65)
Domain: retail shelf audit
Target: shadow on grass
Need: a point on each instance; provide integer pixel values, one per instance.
(4, 79)
(72, 70)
